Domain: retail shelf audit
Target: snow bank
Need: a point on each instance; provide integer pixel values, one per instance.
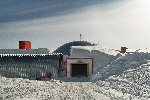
(24, 89)
(127, 77)
(130, 60)
(133, 83)
(124, 78)
(101, 56)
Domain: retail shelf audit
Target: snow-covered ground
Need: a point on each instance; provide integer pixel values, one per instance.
(133, 83)
(117, 77)
(24, 89)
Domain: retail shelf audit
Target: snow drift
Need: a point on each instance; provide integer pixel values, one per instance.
(101, 56)
(129, 60)
(124, 77)
(128, 79)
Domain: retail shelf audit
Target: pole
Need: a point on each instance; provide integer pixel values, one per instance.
(80, 37)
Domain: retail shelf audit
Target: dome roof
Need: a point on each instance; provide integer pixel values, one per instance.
(65, 49)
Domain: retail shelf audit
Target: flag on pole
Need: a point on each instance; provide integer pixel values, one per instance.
(80, 36)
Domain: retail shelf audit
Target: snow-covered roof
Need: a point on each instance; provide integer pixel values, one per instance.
(24, 51)
(97, 48)
(146, 50)
(50, 54)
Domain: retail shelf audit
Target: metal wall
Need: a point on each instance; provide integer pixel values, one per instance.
(33, 66)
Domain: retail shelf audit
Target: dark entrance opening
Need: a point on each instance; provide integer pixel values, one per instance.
(79, 70)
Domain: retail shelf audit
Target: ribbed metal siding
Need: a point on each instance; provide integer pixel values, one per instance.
(29, 66)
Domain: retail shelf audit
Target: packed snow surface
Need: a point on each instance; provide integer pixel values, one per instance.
(116, 77)
(24, 89)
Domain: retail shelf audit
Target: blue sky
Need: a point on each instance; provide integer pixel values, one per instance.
(51, 23)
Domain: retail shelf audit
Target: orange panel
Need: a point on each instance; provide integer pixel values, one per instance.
(28, 45)
(24, 45)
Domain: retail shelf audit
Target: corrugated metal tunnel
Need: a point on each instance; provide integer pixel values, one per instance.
(30, 66)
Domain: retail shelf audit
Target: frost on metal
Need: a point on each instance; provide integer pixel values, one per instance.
(29, 65)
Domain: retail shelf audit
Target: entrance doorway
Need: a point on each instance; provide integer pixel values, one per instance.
(79, 70)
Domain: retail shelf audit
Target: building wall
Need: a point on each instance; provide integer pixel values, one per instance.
(79, 60)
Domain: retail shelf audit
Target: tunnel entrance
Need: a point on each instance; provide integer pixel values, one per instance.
(79, 70)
